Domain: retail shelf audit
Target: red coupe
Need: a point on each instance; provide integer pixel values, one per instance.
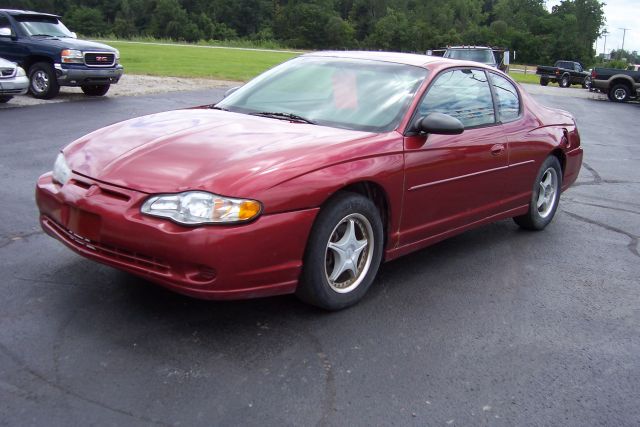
(309, 176)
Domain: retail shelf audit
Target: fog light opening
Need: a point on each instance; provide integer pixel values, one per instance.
(203, 274)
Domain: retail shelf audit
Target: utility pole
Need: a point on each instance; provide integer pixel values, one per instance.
(624, 33)
(605, 33)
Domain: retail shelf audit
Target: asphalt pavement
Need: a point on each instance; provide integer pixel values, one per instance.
(497, 326)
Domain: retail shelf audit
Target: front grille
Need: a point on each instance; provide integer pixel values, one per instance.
(118, 255)
(99, 59)
(7, 73)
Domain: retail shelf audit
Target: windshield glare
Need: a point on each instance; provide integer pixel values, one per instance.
(484, 56)
(346, 93)
(43, 25)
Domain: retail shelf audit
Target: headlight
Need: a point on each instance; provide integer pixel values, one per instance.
(72, 56)
(61, 171)
(199, 207)
(20, 72)
(117, 55)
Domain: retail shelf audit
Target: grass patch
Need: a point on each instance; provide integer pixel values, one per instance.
(184, 60)
(194, 61)
(525, 78)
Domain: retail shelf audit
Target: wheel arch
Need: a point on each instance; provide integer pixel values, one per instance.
(34, 59)
(562, 158)
(374, 192)
(621, 80)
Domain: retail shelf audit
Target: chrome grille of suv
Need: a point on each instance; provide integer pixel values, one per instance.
(7, 73)
(99, 59)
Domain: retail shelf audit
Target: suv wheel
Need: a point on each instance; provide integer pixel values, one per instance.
(95, 90)
(43, 83)
(565, 81)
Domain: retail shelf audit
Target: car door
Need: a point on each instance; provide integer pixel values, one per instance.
(451, 181)
(10, 48)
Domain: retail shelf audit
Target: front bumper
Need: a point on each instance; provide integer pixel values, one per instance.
(103, 223)
(82, 75)
(14, 86)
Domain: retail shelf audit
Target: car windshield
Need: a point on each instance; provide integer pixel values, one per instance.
(43, 26)
(346, 93)
(484, 56)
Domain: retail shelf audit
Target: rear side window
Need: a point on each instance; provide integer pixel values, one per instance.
(463, 94)
(507, 98)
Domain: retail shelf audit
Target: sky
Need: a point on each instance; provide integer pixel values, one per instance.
(619, 14)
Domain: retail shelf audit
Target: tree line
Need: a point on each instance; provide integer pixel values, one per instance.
(537, 35)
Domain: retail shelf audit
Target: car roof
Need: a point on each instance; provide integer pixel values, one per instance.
(18, 12)
(395, 57)
(470, 47)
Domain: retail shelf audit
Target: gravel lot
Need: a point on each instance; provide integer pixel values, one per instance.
(129, 85)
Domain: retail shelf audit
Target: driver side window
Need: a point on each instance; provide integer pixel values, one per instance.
(5, 24)
(463, 94)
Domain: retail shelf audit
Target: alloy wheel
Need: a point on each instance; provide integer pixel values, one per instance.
(547, 189)
(349, 253)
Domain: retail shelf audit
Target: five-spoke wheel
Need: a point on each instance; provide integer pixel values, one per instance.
(343, 253)
(544, 197)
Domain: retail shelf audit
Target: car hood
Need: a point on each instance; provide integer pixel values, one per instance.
(7, 64)
(227, 153)
(71, 43)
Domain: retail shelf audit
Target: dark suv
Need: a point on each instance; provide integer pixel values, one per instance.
(54, 57)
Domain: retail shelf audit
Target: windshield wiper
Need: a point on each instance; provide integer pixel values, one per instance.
(42, 35)
(215, 107)
(288, 116)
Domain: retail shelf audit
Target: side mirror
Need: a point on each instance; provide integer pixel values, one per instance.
(230, 91)
(439, 123)
(5, 32)
(74, 35)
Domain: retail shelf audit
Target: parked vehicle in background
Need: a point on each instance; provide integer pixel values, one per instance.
(619, 85)
(565, 73)
(13, 80)
(492, 56)
(53, 57)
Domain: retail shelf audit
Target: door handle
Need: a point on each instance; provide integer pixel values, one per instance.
(497, 149)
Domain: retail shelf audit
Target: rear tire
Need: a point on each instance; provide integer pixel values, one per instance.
(545, 196)
(343, 253)
(543, 81)
(619, 93)
(43, 83)
(95, 90)
(5, 99)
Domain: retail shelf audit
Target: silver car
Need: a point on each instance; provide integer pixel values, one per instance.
(13, 80)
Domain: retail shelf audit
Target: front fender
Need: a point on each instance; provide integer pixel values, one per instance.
(312, 189)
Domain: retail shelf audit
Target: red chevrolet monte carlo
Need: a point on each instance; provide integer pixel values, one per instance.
(308, 177)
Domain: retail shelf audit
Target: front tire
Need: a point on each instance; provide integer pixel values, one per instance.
(343, 253)
(545, 196)
(5, 99)
(586, 83)
(43, 83)
(95, 90)
(565, 81)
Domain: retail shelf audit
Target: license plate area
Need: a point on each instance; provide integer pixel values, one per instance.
(83, 223)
